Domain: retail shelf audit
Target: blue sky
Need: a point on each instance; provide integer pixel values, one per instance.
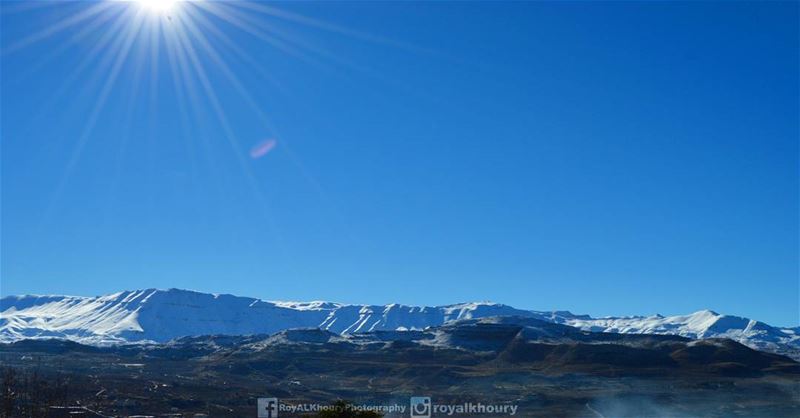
(604, 158)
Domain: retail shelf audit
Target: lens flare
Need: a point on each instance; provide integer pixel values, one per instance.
(263, 148)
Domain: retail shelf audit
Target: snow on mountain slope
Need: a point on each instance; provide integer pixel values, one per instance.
(162, 315)
(701, 324)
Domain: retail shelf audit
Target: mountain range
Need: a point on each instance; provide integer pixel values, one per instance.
(538, 367)
(158, 316)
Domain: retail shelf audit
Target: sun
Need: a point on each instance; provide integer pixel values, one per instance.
(157, 6)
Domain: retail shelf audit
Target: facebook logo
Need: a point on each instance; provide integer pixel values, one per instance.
(267, 407)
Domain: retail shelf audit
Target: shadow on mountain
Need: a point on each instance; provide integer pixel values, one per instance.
(543, 367)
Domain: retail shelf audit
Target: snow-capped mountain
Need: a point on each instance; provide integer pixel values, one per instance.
(701, 324)
(161, 315)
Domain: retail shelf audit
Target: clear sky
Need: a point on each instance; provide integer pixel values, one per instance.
(606, 158)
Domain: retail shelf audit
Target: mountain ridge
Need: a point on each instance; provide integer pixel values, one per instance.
(154, 315)
(545, 368)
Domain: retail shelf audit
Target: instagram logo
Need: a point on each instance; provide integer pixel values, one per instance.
(421, 407)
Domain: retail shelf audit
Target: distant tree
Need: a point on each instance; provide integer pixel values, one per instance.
(28, 393)
(343, 409)
(9, 391)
